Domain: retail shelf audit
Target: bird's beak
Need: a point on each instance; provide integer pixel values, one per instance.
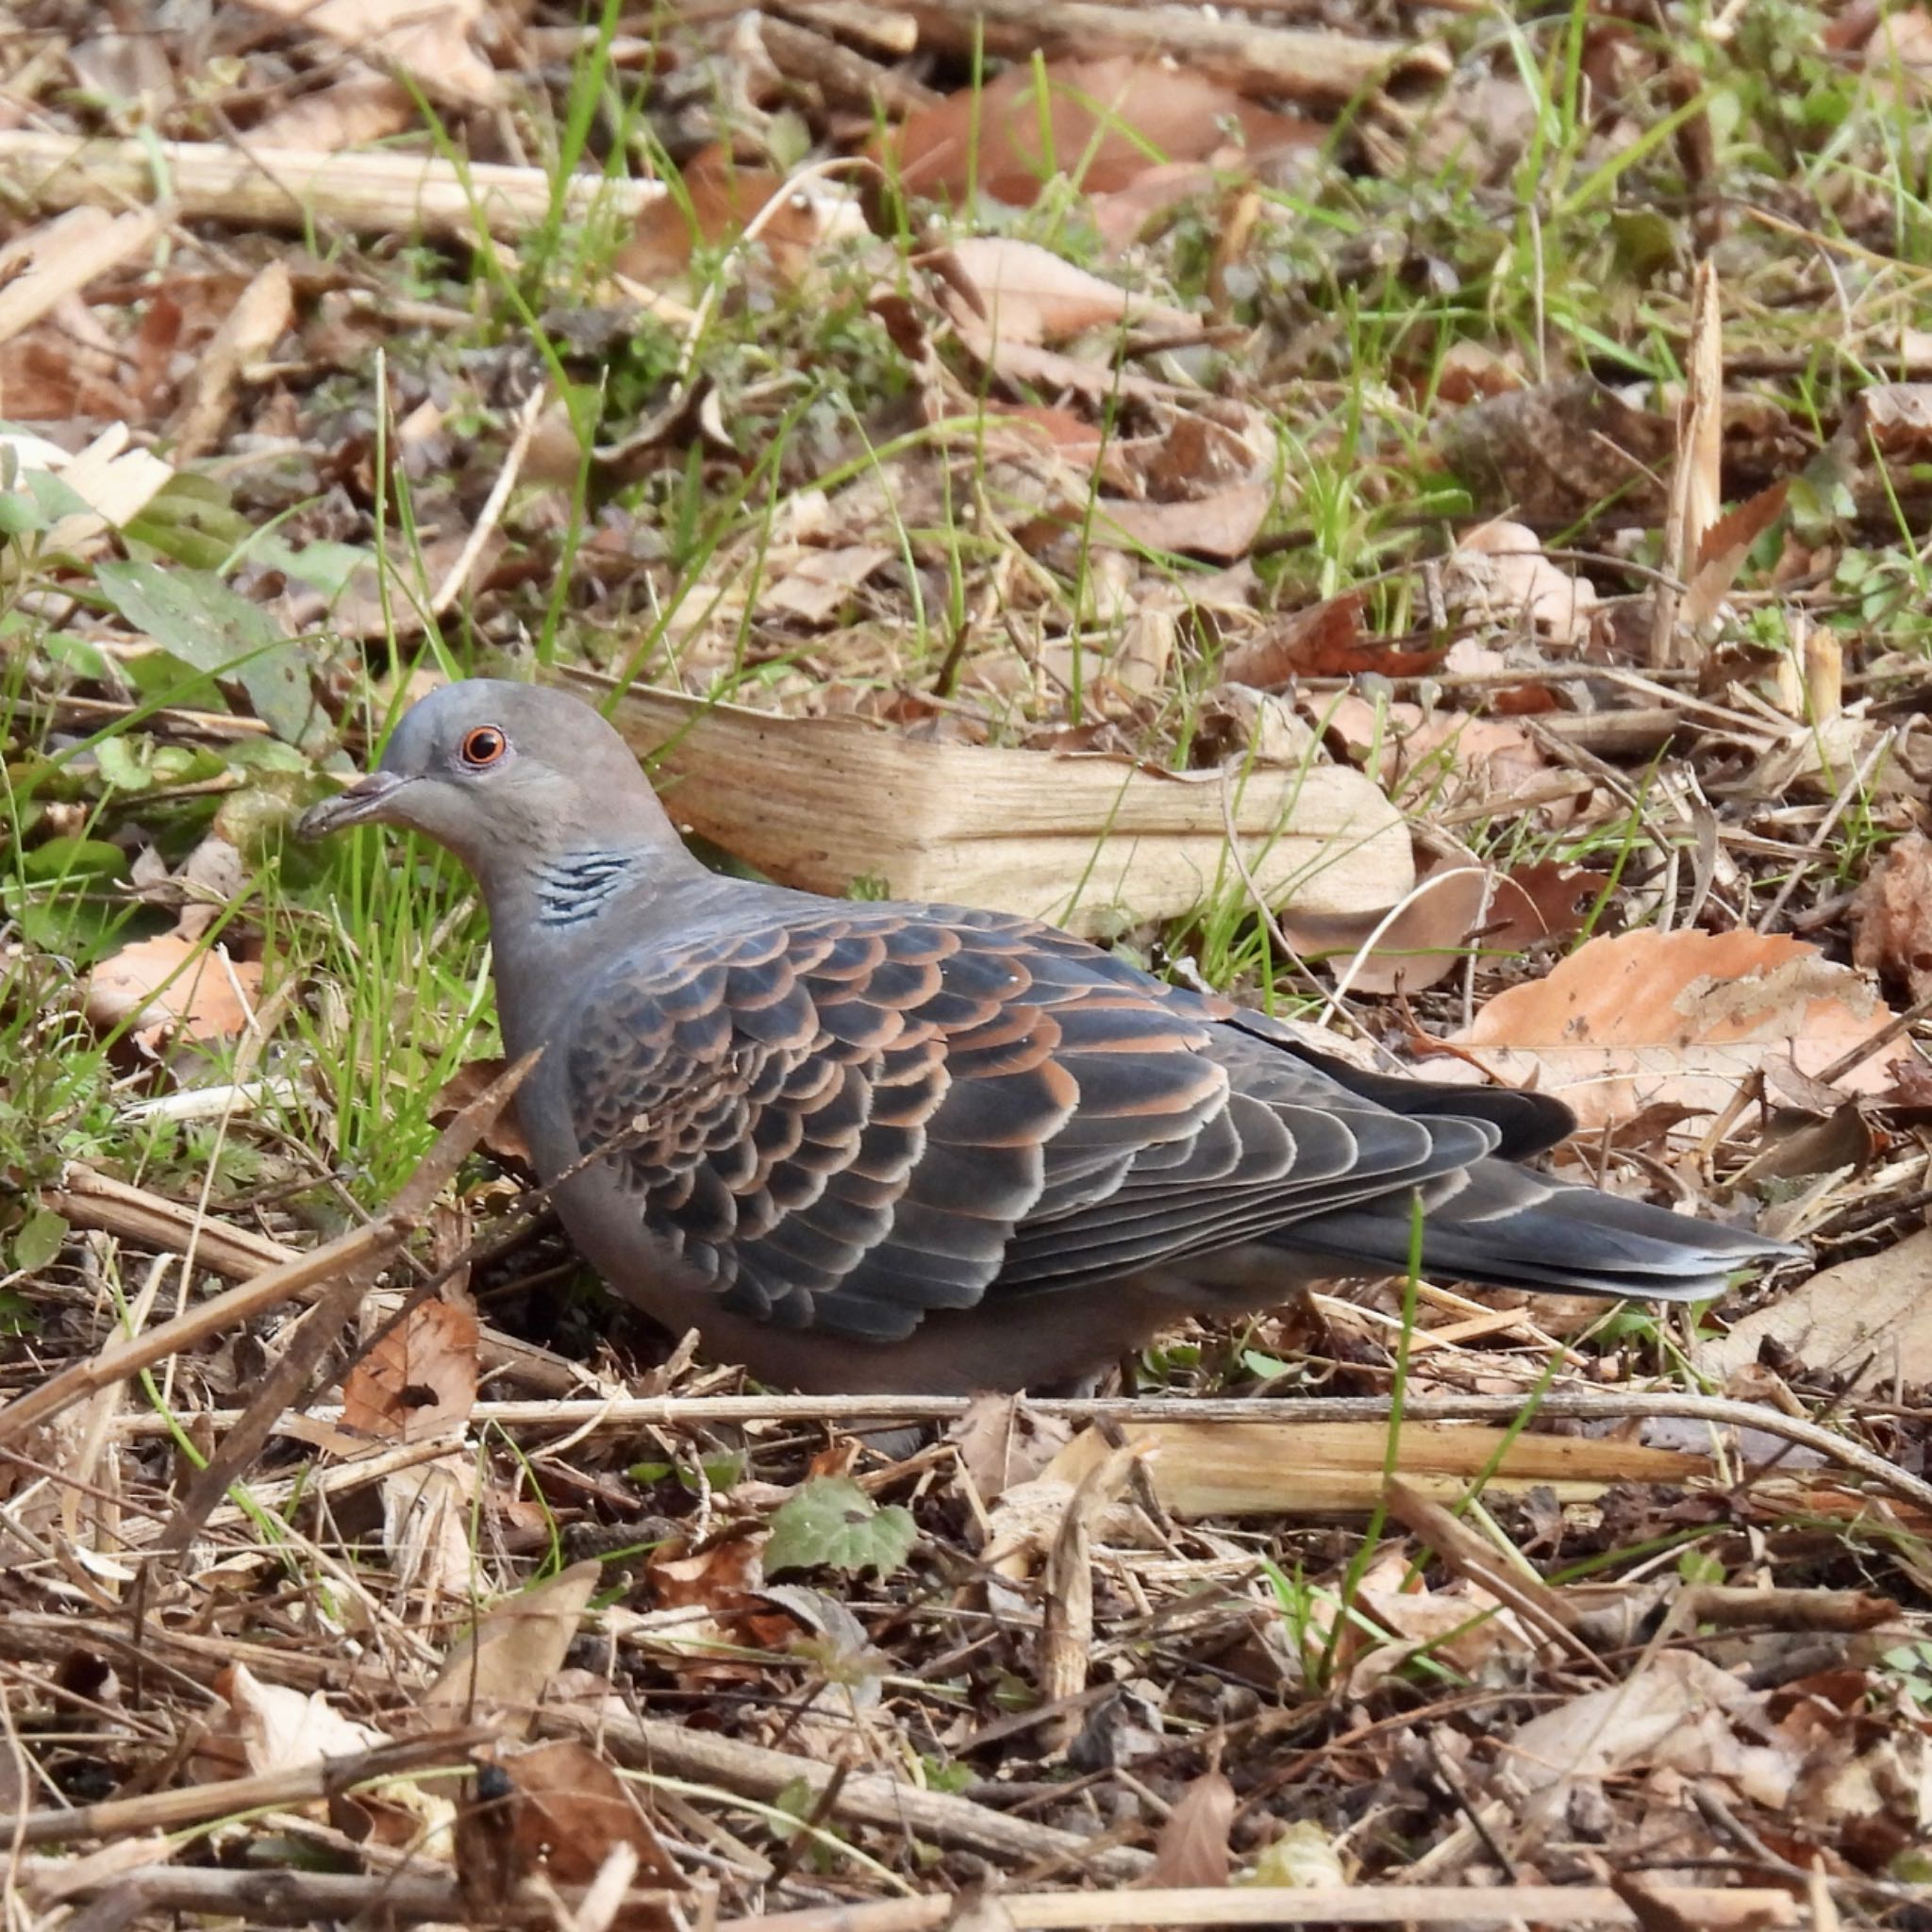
(362, 801)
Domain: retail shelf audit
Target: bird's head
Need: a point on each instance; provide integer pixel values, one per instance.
(503, 775)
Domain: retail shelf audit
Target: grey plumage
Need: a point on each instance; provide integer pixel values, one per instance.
(880, 1147)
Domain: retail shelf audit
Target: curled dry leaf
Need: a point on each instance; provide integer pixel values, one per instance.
(1544, 901)
(1424, 942)
(1627, 1023)
(420, 1379)
(502, 1137)
(1869, 1320)
(1030, 294)
(518, 1646)
(1892, 916)
(169, 985)
(560, 1812)
(280, 1729)
(1561, 451)
(431, 43)
(1498, 573)
(1108, 122)
(1193, 1849)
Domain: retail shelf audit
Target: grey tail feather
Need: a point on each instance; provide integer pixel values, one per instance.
(1511, 1228)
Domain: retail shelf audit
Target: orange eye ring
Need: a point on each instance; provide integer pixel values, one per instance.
(483, 747)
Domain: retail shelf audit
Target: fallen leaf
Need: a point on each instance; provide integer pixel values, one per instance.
(1030, 294)
(557, 1811)
(1892, 916)
(1106, 123)
(719, 198)
(171, 985)
(518, 1646)
(420, 1379)
(1221, 524)
(1544, 901)
(999, 1441)
(1647, 1017)
(1498, 573)
(504, 1137)
(431, 43)
(1869, 1320)
(281, 1729)
(1561, 451)
(1193, 1849)
(1675, 1711)
(1425, 942)
(1325, 640)
(1726, 544)
(264, 310)
(362, 105)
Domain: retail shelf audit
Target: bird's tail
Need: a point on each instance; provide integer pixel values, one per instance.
(1505, 1226)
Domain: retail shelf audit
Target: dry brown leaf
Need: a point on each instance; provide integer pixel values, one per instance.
(264, 310)
(821, 583)
(1193, 1849)
(171, 985)
(557, 1811)
(361, 107)
(1000, 1442)
(420, 1379)
(720, 198)
(1559, 451)
(1869, 1320)
(1675, 1712)
(430, 43)
(1544, 901)
(1892, 916)
(281, 1729)
(1221, 524)
(518, 1646)
(1726, 545)
(504, 1137)
(1647, 1017)
(1029, 294)
(1498, 573)
(1425, 942)
(1109, 122)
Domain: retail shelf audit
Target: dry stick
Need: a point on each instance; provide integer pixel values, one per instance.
(150, 1221)
(653, 1745)
(423, 1896)
(93, 1199)
(1712, 1907)
(1287, 1412)
(285, 187)
(358, 1249)
(274, 1790)
(61, 259)
(293, 1898)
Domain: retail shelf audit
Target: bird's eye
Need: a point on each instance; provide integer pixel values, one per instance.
(484, 747)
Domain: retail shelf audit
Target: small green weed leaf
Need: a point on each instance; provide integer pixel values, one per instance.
(125, 764)
(70, 858)
(196, 616)
(37, 1242)
(832, 1524)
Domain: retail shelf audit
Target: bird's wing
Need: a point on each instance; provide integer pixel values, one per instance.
(841, 1121)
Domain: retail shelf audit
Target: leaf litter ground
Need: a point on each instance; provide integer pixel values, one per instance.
(1453, 488)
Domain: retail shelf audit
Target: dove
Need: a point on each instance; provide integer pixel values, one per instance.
(872, 1147)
